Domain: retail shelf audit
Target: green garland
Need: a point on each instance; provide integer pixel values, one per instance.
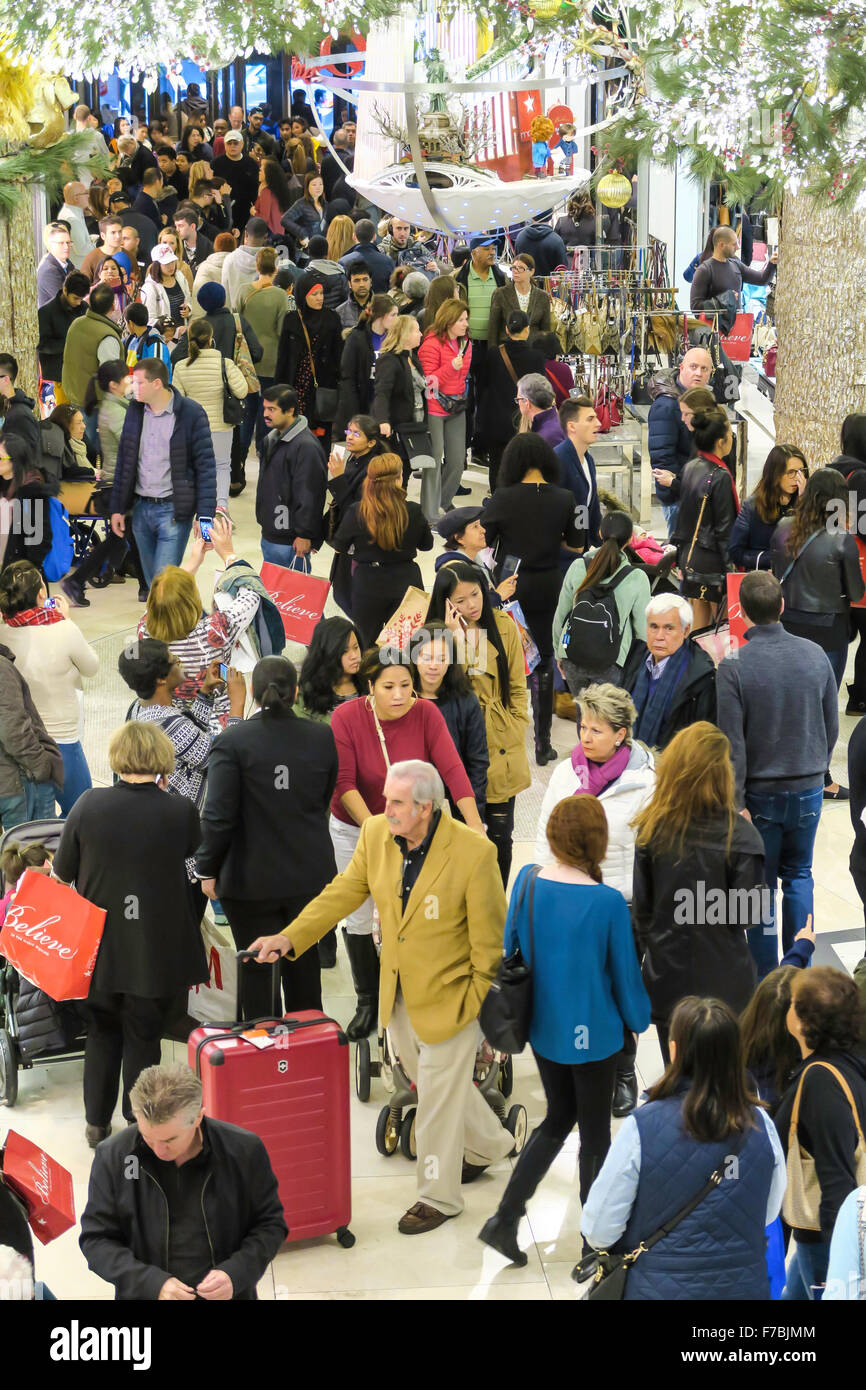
(766, 96)
(51, 167)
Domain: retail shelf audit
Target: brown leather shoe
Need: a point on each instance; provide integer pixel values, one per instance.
(564, 706)
(421, 1218)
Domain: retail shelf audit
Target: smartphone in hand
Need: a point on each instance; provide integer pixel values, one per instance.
(205, 525)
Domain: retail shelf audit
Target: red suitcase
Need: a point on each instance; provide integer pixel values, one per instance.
(287, 1080)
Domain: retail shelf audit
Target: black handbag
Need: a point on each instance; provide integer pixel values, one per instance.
(610, 1272)
(418, 443)
(234, 407)
(507, 1010)
(326, 401)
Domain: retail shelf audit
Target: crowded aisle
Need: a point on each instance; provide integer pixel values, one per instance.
(432, 764)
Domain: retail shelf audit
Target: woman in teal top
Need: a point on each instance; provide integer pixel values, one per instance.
(586, 987)
(631, 595)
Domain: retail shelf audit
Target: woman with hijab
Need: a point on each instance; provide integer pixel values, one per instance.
(309, 352)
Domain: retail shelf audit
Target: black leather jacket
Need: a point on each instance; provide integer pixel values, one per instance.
(825, 577)
(719, 514)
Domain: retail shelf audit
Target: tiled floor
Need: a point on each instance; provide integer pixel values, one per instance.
(449, 1263)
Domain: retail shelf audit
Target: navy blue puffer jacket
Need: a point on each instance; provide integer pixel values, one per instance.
(193, 468)
(670, 443)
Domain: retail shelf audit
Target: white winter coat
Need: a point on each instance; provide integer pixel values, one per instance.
(621, 801)
(155, 299)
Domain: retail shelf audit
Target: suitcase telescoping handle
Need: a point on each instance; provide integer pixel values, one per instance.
(276, 1002)
(275, 1026)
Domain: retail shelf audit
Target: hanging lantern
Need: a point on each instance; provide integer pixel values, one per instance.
(614, 190)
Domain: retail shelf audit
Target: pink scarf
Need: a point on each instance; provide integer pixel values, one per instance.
(592, 778)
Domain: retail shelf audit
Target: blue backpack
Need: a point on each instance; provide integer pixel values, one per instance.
(58, 561)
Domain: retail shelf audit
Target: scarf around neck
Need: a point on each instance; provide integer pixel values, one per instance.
(592, 778)
(35, 617)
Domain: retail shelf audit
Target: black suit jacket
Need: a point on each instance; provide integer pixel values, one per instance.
(265, 822)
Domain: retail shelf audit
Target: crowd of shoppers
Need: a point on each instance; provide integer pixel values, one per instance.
(257, 304)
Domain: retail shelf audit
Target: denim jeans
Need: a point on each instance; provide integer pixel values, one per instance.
(222, 452)
(161, 540)
(788, 824)
(670, 512)
(77, 776)
(806, 1269)
(287, 556)
(14, 810)
(42, 798)
(838, 660)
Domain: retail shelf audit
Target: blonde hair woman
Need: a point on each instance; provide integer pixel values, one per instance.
(399, 390)
(340, 233)
(175, 615)
(386, 532)
(128, 844)
(205, 375)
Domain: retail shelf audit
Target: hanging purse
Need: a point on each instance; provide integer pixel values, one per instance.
(609, 1272)
(234, 407)
(506, 1013)
(327, 399)
(802, 1205)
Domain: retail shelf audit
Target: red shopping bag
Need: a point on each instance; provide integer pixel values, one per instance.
(738, 343)
(736, 626)
(51, 935)
(861, 555)
(301, 599)
(44, 1186)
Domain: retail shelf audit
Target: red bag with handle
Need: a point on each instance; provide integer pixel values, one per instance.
(43, 1185)
(51, 935)
(300, 597)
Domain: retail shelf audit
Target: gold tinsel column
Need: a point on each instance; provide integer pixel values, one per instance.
(821, 369)
(19, 327)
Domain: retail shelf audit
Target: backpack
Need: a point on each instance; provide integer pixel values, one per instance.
(592, 633)
(58, 561)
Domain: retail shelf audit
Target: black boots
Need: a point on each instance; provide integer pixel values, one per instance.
(624, 1094)
(328, 950)
(541, 693)
(500, 1232)
(588, 1168)
(364, 960)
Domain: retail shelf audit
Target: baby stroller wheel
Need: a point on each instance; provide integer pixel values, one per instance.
(407, 1135)
(103, 578)
(387, 1132)
(8, 1069)
(362, 1069)
(506, 1076)
(516, 1124)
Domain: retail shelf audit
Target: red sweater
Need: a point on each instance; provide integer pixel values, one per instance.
(420, 733)
(436, 358)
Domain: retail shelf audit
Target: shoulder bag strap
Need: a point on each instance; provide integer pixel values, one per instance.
(312, 363)
(846, 1090)
(700, 518)
(507, 360)
(531, 877)
(713, 1181)
(372, 708)
(803, 547)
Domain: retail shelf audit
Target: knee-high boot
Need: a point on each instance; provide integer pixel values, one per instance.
(500, 1232)
(541, 689)
(364, 960)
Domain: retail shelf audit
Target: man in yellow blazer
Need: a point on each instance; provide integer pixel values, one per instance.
(441, 905)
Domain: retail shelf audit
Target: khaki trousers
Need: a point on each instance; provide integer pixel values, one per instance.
(453, 1120)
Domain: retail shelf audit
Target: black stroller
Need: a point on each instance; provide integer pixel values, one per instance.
(33, 1028)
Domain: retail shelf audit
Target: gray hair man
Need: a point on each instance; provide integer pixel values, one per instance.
(156, 1236)
(441, 905)
(536, 402)
(669, 676)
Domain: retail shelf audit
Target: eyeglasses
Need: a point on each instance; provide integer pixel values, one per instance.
(521, 400)
(794, 472)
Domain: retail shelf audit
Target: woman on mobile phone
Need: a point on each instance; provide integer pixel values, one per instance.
(175, 615)
(347, 469)
(493, 657)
